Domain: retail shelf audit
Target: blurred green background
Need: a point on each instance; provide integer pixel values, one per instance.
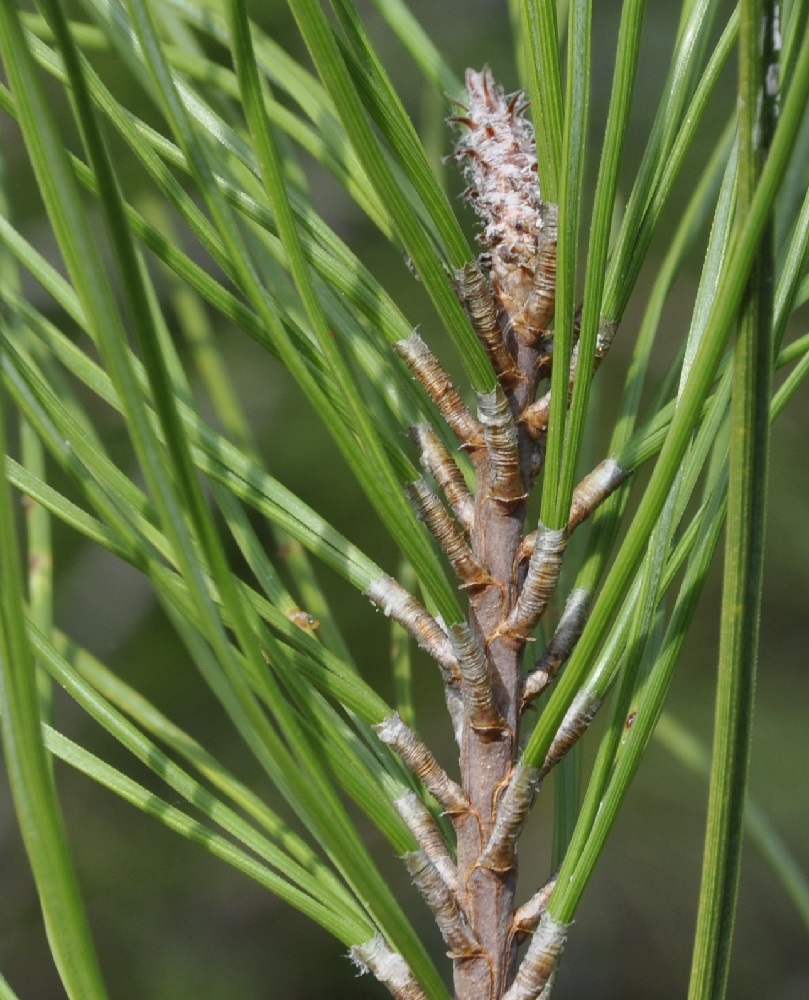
(173, 923)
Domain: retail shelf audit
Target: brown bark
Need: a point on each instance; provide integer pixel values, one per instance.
(487, 758)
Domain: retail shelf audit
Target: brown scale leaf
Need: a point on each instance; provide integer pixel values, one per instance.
(396, 602)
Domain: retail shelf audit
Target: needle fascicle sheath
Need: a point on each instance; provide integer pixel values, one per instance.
(421, 823)
(540, 583)
(547, 989)
(483, 714)
(454, 702)
(587, 497)
(446, 532)
(480, 305)
(388, 966)
(396, 602)
(539, 965)
(527, 916)
(567, 633)
(500, 432)
(544, 291)
(512, 812)
(594, 489)
(578, 717)
(443, 903)
(437, 384)
(418, 758)
(442, 466)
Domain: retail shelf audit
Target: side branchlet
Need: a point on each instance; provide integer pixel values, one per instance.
(587, 497)
(594, 489)
(582, 711)
(476, 295)
(545, 274)
(527, 916)
(544, 567)
(534, 418)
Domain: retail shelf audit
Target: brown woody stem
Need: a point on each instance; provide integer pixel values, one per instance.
(510, 301)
